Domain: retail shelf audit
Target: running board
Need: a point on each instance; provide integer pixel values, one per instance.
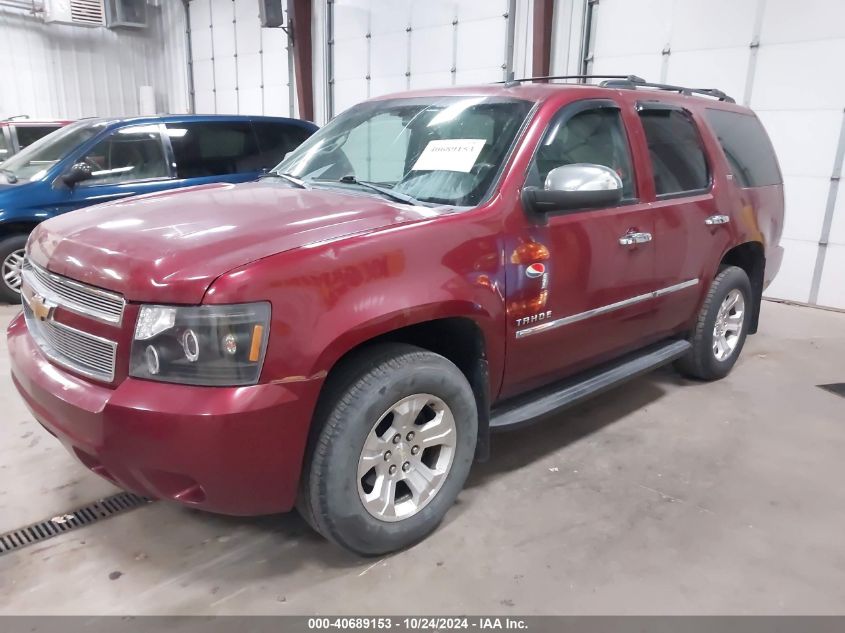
(527, 408)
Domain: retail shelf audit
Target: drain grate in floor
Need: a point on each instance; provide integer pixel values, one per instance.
(86, 515)
(835, 387)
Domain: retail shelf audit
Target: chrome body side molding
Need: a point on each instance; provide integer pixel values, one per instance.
(574, 318)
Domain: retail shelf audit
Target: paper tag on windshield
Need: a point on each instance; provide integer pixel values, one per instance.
(457, 154)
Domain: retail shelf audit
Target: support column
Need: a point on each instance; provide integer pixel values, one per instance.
(541, 59)
(299, 13)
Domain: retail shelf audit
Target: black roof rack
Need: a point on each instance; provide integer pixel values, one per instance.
(631, 82)
(515, 82)
(634, 82)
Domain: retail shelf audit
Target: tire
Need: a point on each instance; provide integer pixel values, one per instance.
(712, 358)
(11, 248)
(355, 464)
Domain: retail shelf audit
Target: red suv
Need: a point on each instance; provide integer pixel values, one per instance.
(344, 334)
(18, 133)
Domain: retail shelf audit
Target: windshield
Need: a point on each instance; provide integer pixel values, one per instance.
(33, 162)
(442, 150)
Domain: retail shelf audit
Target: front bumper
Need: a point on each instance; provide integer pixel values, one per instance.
(231, 450)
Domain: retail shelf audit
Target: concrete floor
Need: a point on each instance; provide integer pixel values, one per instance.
(662, 497)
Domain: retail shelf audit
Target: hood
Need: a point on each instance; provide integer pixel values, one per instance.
(8, 187)
(169, 247)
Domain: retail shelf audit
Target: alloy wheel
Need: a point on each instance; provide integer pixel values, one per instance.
(406, 457)
(728, 326)
(12, 270)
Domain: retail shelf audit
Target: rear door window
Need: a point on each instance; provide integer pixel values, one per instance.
(28, 134)
(677, 155)
(746, 146)
(275, 140)
(129, 154)
(213, 148)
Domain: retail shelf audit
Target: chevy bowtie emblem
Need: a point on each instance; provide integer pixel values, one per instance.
(41, 309)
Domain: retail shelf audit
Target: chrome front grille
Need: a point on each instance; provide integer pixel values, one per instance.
(74, 296)
(85, 353)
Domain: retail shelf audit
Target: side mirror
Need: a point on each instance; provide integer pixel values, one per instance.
(77, 173)
(574, 187)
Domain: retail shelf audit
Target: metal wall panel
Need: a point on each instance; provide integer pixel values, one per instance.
(782, 58)
(383, 46)
(238, 66)
(66, 71)
(566, 37)
(802, 104)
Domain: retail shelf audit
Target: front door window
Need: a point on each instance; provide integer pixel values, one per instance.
(594, 136)
(127, 155)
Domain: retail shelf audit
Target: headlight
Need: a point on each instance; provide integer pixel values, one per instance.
(207, 345)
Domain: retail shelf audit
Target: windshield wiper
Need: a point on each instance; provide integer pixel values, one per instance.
(10, 176)
(296, 182)
(393, 195)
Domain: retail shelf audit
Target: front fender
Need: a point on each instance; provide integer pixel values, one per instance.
(330, 298)
(399, 318)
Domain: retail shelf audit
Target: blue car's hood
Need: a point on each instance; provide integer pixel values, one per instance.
(4, 186)
(19, 188)
(9, 191)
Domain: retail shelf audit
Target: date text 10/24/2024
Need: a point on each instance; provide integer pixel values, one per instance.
(480, 623)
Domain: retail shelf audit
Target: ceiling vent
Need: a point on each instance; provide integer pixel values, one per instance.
(77, 12)
(126, 13)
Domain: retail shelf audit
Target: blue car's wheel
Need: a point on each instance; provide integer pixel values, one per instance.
(11, 263)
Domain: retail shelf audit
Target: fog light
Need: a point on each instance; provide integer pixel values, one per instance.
(191, 345)
(153, 362)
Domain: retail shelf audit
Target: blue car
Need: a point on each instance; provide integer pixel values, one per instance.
(97, 160)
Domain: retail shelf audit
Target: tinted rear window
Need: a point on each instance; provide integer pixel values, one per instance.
(277, 139)
(213, 148)
(28, 134)
(677, 156)
(747, 148)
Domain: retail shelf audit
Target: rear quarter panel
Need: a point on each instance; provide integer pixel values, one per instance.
(757, 213)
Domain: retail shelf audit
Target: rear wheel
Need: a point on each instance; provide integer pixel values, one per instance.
(721, 327)
(397, 439)
(11, 266)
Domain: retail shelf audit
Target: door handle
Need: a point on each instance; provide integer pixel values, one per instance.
(717, 219)
(630, 239)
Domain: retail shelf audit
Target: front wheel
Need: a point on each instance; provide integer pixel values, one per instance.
(11, 268)
(398, 428)
(721, 328)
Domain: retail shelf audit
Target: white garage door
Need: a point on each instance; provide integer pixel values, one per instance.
(238, 67)
(781, 57)
(383, 46)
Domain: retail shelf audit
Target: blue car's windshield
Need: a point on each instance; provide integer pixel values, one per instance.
(33, 162)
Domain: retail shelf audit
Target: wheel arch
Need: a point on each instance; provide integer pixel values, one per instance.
(460, 339)
(750, 257)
